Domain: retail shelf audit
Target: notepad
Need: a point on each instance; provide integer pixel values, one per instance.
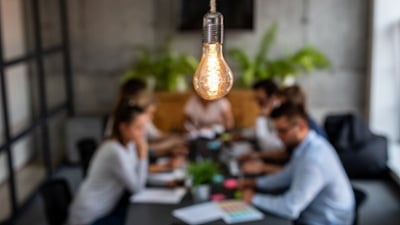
(199, 213)
(231, 211)
(159, 195)
(236, 211)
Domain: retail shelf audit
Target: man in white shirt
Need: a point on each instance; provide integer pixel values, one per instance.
(271, 147)
(266, 94)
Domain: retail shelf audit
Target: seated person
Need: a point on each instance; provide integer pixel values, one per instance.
(118, 165)
(162, 144)
(317, 189)
(266, 95)
(201, 113)
(134, 90)
(296, 95)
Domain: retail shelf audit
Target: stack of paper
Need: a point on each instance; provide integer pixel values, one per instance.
(159, 195)
(198, 214)
(231, 211)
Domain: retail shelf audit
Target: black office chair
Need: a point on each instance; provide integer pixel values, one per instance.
(57, 198)
(360, 197)
(86, 148)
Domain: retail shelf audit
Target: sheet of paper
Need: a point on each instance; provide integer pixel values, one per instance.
(198, 214)
(159, 195)
(160, 178)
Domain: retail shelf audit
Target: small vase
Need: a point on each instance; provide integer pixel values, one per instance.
(201, 193)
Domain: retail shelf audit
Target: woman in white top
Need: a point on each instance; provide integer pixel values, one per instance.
(203, 113)
(119, 164)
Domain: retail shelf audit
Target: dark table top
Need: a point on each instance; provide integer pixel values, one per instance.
(161, 214)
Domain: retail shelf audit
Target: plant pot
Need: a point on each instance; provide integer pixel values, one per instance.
(201, 193)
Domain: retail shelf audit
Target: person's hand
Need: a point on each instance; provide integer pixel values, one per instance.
(249, 156)
(253, 167)
(266, 108)
(247, 184)
(181, 150)
(247, 195)
(177, 161)
(142, 147)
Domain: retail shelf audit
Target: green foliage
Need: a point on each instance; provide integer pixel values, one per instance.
(203, 172)
(306, 59)
(163, 64)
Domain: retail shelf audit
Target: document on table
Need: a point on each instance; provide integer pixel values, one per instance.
(231, 211)
(160, 178)
(159, 195)
(165, 177)
(198, 214)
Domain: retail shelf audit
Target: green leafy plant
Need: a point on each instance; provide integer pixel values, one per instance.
(166, 66)
(306, 59)
(203, 172)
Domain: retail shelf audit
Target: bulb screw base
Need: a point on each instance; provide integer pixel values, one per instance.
(213, 28)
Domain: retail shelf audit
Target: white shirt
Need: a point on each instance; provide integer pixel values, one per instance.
(266, 137)
(114, 168)
(211, 114)
(152, 132)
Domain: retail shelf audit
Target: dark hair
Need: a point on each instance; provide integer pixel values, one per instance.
(125, 112)
(268, 86)
(294, 94)
(134, 91)
(132, 87)
(290, 111)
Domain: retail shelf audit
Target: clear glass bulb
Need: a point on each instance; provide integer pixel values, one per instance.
(213, 78)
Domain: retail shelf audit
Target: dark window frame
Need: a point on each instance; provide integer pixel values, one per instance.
(45, 115)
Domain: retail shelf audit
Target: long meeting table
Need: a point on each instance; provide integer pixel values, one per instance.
(161, 214)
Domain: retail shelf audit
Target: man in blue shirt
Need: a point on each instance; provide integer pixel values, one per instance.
(318, 190)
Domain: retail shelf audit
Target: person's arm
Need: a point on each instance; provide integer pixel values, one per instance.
(307, 183)
(278, 155)
(133, 177)
(258, 167)
(227, 114)
(171, 144)
(275, 181)
(229, 122)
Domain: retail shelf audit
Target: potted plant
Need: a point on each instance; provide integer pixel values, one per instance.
(202, 174)
(306, 59)
(163, 69)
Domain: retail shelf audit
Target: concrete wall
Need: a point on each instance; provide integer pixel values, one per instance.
(104, 32)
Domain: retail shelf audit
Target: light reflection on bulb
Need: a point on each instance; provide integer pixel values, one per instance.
(213, 78)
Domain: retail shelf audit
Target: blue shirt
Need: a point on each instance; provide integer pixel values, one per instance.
(319, 192)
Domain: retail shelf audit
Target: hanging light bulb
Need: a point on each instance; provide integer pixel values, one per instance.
(213, 78)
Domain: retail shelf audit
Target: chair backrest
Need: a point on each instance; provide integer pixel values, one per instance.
(86, 148)
(57, 198)
(346, 131)
(360, 197)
